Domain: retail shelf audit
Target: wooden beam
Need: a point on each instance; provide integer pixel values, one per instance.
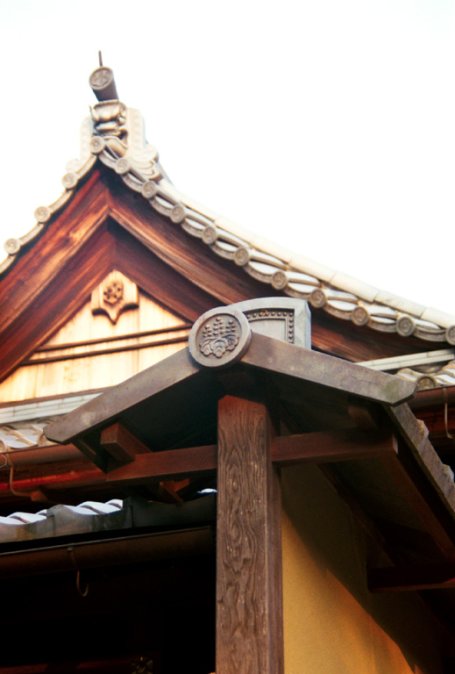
(146, 384)
(430, 487)
(74, 472)
(278, 357)
(249, 613)
(411, 578)
(122, 445)
(422, 502)
(171, 463)
(323, 447)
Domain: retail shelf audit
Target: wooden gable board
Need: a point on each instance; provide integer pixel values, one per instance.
(106, 226)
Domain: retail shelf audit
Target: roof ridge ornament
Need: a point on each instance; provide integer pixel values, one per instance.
(102, 82)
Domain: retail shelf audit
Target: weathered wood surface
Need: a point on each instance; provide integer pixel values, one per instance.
(41, 467)
(172, 463)
(249, 614)
(425, 469)
(266, 353)
(121, 444)
(276, 356)
(164, 375)
(324, 447)
(407, 482)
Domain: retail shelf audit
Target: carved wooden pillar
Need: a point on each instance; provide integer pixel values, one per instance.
(249, 604)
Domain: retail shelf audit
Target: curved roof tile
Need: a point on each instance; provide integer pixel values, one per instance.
(115, 136)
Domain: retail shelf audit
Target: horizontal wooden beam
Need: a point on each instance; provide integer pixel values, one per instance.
(323, 447)
(411, 578)
(171, 463)
(319, 447)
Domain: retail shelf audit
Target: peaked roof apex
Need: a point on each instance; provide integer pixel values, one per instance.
(114, 134)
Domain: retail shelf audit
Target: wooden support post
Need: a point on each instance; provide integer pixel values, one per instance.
(249, 636)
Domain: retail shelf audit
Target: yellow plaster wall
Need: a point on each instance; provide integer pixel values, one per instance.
(332, 623)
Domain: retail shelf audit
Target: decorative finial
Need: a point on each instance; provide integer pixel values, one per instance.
(102, 82)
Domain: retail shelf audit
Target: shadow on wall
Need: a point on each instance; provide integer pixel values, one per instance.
(332, 622)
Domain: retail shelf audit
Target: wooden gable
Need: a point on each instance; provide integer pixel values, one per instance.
(119, 212)
(107, 227)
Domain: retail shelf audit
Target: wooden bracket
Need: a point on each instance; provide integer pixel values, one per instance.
(122, 445)
(411, 578)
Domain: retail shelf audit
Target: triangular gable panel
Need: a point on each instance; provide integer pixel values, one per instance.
(105, 342)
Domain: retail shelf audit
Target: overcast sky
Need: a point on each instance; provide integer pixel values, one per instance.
(326, 126)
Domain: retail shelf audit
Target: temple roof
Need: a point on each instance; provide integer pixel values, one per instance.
(114, 135)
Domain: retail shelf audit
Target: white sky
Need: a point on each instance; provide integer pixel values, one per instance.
(326, 126)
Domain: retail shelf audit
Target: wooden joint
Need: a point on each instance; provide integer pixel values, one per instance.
(121, 445)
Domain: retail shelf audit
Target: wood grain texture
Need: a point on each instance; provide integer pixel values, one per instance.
(107, 226)
(110, 353)
(276, 356)
(249, 613)
(325, 446)
(70, 471)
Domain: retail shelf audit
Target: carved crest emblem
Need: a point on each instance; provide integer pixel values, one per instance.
(219, 334)
(114, 295)
(219, 337)
(113, 291)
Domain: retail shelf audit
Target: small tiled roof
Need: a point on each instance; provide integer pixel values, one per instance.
(114, 135)
(92, 517)
(430, 377)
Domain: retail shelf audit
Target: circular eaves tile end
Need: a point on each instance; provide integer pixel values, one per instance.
(97, 144)
(43, 214)
(70, 180)
(318, 298)
(122, 166)
(450, 335)
(360, 316)
(149, 189)
(279, 280)
(12, 246)
(241, 256)
(209, 235)
(219, 337)
(405, 326)
(178, 214)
